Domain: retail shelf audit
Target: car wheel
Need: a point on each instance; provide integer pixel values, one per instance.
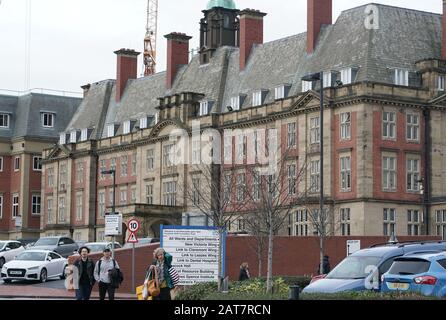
(2, 262)
(43, 275)
(7, 280)
(62, 276)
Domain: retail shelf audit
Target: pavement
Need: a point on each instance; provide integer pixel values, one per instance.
(51, 290)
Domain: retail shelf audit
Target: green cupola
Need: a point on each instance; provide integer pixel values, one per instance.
(227, 4)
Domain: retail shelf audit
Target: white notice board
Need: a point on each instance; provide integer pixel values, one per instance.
(194, 252)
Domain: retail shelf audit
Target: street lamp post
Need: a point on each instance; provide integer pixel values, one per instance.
(320, 77)
(112, 172)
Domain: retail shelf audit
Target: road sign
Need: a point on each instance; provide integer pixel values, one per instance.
(113, 225)
(353, 246)
(132, 238)
(133, 225)
(18, 221)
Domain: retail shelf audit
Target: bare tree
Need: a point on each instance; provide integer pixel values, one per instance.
(273, 195)
(208, 192)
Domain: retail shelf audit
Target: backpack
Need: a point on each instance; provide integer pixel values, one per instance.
(116, 275)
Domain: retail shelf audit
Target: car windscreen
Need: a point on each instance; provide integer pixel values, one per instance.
(2, 244)
(46, 242)
(355, 267)
(31, 256)
(96, 247)
(409, 266)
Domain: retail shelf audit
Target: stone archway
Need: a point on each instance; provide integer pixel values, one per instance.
(153, 228)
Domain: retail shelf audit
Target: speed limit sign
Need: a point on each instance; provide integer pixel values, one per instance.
(133, 225)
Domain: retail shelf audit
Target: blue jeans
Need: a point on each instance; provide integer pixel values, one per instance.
(84, 292)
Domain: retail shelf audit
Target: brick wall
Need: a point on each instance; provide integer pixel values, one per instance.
(294, 256)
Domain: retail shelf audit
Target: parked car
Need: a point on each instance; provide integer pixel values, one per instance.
(62, 245)
(142, 242)
(34, 265)
(100, 246)
(8, 250)
(355, 272)
(27, 243)
(423, 273)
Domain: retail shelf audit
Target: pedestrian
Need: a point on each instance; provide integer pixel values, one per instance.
(244, 272)
(167, 276)
(325, 265)
(103, 272)
(85, 269)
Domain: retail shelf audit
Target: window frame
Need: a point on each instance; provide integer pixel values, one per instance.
(4, 116)
(345, 169)
(412, 127)
(36, 205)
(388, 172)
(49, 119)
(315, 130)
(389, 126)
(345, 121)
(15, 205)
(291, 135)
(17, 161)
(412, 175)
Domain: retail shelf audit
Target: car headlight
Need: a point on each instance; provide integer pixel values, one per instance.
(4, 269)
(33, 268)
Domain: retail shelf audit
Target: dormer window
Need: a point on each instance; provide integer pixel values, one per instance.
(73, 136)
(143, 123)
(63, 138)
(257, 98)
(401, 77)
(126, 129)
(440, 83)
(84, 135)
(346, 76)
(307, 86)
(235, 103)
(48, 120)
(204, 108)
(328, 79)
(281, 92)
(111, 130)
(4, 120)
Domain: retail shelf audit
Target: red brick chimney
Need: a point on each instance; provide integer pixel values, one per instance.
(127, 69)
(444, 29)
(319, 12)
(177, 55)
(251, 32)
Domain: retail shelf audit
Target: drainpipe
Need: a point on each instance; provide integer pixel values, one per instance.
(427, 171)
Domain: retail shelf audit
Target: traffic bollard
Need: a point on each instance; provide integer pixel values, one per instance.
(294, 293)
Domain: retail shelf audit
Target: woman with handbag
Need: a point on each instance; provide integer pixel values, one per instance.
(166, 275)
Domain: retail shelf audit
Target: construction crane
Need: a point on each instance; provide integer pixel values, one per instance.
(150, 38)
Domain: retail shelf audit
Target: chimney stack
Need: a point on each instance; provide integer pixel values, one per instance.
(177, 55)
(319, 12)
(127, 69)
(85, 89)
(444, 30)
(251, 33)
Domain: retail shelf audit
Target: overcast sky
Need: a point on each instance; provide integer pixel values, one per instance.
(72, 41)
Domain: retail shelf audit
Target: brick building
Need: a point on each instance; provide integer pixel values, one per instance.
(384, 140)
(28, 124)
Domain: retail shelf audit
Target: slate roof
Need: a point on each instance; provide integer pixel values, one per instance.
(404, 37)
(25, 115)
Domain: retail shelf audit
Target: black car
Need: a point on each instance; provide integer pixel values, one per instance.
(27, 242)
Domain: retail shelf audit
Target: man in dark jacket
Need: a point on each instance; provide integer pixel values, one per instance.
(325, 265)
(244, 272)
(85, 268)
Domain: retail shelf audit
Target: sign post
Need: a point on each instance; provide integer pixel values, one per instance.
(18, 225)
(195, 252)
(133, 226)
(113, 227)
